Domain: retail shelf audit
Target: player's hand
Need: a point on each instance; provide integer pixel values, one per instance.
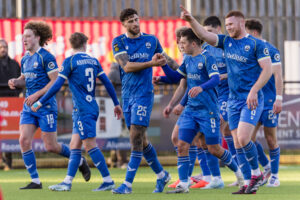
(178, 109)
(195, 91)
(277, 106)
(118, 111)
(159, 60)
(155, 79)
(31, 99)
(12, 83)
(167, 111)
(252, 100)
(36, 106)
(223, 76)
(185, 15)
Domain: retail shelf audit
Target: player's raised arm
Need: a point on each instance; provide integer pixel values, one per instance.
(210, 38)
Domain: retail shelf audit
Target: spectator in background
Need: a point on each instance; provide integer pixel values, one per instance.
(9, 68)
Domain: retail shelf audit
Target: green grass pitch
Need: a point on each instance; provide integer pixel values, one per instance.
(142, 187)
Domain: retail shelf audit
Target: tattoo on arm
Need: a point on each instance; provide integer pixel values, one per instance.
(136, 137)
(122, 59)
(171, 62)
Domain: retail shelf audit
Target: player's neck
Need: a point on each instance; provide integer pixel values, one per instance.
(129, 35)
(80, 50)
(241, 35)
(196, 52)
(34, 49)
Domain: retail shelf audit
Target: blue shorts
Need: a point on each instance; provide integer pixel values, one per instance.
(191, 123)
(223, 108)
(268, 118)
(238, 112)
(47, 121)
(137, 111)
(84, 125)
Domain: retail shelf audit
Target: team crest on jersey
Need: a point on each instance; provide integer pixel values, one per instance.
(200, 65)
(35, 64)
(277, 57)
(247, 48)
(126, 47)
(266, 51)
(116, 47)
(148, 45)
(51, 65)
(214, 67)
(230, 44)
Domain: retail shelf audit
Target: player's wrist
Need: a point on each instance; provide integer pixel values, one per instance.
(279, 97)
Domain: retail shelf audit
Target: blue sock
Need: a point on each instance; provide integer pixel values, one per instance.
(228, 161)
(74, 161)
(183, 164)
(99, 161)
(243, 164)
(213, 163)
(151, 158)
(261, 156)
(30, 163)
(193, 155)
(133, 165)
(251, 155)
(274, 156)
(231, 148)
(65, 151)
(203, 162)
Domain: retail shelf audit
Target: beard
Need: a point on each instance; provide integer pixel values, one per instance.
(134, 32)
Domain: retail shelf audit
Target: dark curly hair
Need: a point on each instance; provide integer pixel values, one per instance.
(77, 40)
(127, 13)
(41, 29)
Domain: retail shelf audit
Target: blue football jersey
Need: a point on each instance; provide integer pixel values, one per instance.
(81, 70)
(269, 89)
(242, 58)
(198, 70)
(218, 53)
(141, 49)
(35, 69)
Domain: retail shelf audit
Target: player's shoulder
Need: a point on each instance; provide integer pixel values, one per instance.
(271, 47)
(254, 40)
(119, 38)
(206, 53)
(147, 35)
(25, 57)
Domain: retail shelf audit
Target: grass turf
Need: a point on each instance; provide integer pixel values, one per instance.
(142, 187)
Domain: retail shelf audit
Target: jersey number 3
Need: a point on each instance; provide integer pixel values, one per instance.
(89, 72)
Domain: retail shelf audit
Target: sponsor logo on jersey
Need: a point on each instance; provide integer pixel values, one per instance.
(30, 75)
(139, 55)
(266, 51)
(277, 57)
(236, 57)
(247, 48)
(89, 98)
(193, 76)
(126, 47)
(116, 47)
(230, 44)
(51, 65)
(148, 45)
(35, 64)
(200, 65)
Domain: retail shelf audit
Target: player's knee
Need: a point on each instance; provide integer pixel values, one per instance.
(183, 148)
(174, 140)
(51, 148)
(272, 142)
(215, 150)
(25, 143)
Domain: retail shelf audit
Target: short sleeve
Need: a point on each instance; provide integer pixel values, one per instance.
(261, 51)
(159, 48)
(211, 66)
(182, 69)
(275, 57)
(220, 41)
(118, 47)
(65, 69)
(50, 64)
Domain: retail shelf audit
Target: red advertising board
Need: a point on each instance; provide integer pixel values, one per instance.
(10, 109)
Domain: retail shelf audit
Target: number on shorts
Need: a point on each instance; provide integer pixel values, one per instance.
(271, 115)
(80, 127)
(213, 123)
(89, 72)
(50, 119)
(142, 111)
(224, 106)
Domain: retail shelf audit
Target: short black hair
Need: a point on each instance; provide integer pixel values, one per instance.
(191, 36)
(179, 30)
(77, 40)
(254, 24)
(213, 21)
(126, 13)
